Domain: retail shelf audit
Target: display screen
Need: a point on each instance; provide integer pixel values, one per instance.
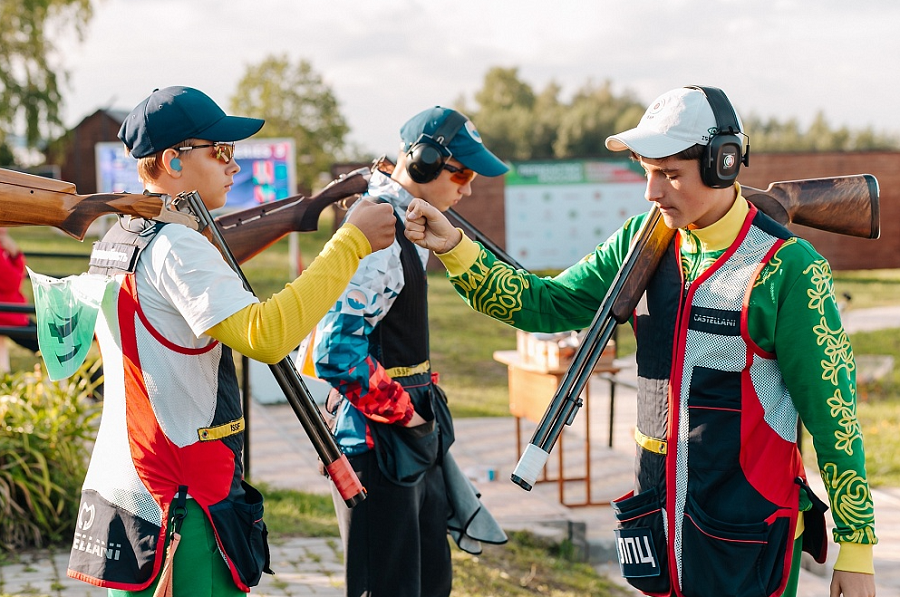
(267, 171)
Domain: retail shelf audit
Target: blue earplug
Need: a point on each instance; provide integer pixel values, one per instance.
(175, 164)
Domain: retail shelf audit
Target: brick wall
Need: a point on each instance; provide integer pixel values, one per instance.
(843, 252)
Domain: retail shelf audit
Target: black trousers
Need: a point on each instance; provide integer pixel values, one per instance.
(395, 540)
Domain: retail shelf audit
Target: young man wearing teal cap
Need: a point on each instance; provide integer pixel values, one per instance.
(372, 346)
(164, 507)
(738, 334)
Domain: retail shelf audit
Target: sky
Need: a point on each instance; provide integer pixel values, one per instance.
(386, 60)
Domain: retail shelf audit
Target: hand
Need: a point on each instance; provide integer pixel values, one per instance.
(429, 228)
(852, 584)
(416, 420)
(376, 220)
(8, 244)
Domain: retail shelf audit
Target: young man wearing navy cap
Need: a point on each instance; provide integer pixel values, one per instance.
(164, 507)
(738, 334)
(372, 346)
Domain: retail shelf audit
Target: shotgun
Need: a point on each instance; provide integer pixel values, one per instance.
(28, 200)
(845, 205)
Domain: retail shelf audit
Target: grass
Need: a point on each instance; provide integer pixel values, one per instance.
(292, 513)
(868, 288)
(462, 345)
(526, 566)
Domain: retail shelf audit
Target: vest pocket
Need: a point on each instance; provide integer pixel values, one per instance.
(641, 541)
(721, 558)
(243, 534)
(405, 454)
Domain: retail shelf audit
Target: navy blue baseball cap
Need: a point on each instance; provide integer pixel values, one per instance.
(466, 146)
(174, 114)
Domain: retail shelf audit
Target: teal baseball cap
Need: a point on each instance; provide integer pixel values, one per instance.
(466, 145)
(173, 114)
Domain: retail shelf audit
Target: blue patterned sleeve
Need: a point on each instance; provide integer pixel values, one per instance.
(342, 337)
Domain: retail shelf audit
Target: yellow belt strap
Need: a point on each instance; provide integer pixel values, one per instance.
(651, 444)
(407, 371)
(208, 434)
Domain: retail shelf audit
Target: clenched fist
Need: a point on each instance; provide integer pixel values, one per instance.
(376, 220)
(429, 228)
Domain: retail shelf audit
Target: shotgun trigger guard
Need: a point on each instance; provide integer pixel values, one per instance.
(181, 210)
(171, 213)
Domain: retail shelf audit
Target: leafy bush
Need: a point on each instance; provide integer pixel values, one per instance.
(45, 439)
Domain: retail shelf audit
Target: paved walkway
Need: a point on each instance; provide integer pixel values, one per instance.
(282, 455)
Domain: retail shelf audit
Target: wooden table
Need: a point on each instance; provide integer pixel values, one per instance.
(530, 390)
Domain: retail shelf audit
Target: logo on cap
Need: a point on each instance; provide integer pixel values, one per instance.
(656, 108)
(470, 128)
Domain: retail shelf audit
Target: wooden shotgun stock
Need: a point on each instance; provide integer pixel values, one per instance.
(845, 205)
(28, 200)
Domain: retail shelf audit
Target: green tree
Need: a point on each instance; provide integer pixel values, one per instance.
(296, 103)
(30, 94)
(594, 114)
(519, 124)
(772, 135)
(546, 116)
(504, 114)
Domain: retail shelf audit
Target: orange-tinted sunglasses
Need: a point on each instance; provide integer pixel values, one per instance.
(224, 152)
(459, 175)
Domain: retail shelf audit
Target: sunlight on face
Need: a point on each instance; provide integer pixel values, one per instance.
(676, 188)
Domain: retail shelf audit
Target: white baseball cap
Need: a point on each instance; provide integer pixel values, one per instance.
(675, 121)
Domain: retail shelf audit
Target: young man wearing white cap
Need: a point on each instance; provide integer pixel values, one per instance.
(164, 507)
(737, 334)
(391, 418)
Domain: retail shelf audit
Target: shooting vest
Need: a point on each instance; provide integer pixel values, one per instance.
(172, 424)
(400, 343)
(716, 501)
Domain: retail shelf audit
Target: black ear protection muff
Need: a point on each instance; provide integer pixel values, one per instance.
(724, 153)
(427, 156)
